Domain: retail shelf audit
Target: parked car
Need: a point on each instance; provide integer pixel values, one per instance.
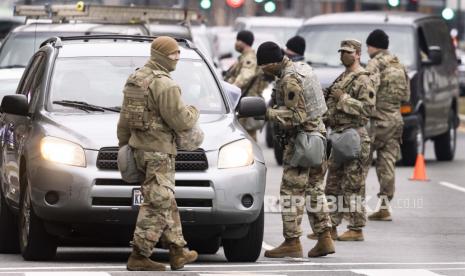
(423, 45)
(7, 24)
(24, 40)
(58, 141)
(282, 28)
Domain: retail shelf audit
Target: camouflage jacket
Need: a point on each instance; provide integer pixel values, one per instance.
(354, 108)
(169, 114)
(289, 97)
(243, 70)
(391, 83)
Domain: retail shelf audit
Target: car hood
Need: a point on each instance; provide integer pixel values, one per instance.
(327, 75)
(94, 131)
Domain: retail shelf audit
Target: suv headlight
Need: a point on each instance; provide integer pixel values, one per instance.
(236, 154)
(62, 151)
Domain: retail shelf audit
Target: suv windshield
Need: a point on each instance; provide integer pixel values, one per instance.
(323, 42)
(99, 81)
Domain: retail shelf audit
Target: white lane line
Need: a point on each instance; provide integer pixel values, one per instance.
(287, 263)
(67, 273)
(267, 246)
(61, 268)
(241, 274)
(389, 272)
(452, 186)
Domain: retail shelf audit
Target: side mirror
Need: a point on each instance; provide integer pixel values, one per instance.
(251, 107)
(15, 104)
(434, 55)
(233, 92)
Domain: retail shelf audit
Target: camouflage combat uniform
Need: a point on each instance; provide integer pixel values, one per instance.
(392, 88)
(291, 115)
(246, 75)
(155, 152)
(352, 110)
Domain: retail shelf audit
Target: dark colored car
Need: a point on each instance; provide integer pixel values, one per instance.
(423, 45)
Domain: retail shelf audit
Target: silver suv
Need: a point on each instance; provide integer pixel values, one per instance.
(58, 143)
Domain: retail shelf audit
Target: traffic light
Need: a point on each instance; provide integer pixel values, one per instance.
(270, 7)
(205, 4)
(393, 3)
(448, 13)
(412, 5)
(235, 3)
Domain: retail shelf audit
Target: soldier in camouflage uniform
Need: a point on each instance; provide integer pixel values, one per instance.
(351, 100)
(246, 75)
(297, 108)
(151, 113)
(392, 88)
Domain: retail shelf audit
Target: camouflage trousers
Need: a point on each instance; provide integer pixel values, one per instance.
(387, 147)
(345, 187)
(158, 216)
(300, 188)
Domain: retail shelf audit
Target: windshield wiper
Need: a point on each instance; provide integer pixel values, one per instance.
(12, 66)
(86, 106)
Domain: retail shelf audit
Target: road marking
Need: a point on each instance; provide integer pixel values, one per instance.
(267, 246)
(452, 186)
(241, 274)
(67, 273)
(287, 263)
(389, 272)
(61, 268)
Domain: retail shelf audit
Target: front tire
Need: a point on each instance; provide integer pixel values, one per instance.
(410, 149)
(9, 241)
(445, 144)
(205, 246)
(269, 134)
(249, 247)
(35, 242)
(278, 153)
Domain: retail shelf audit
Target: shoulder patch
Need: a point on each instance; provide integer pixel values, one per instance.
(291, 96)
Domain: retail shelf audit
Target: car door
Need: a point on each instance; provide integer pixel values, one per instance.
(16, 128)
(436, 79)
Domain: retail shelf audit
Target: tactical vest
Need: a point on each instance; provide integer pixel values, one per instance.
(344, 83)
(394, 85)
(136, 93)
(315, 104)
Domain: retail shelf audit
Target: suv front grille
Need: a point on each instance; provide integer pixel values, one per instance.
(179, 183)
(185, 160)
(126, 202)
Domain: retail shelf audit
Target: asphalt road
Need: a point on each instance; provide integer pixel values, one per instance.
(426, 237)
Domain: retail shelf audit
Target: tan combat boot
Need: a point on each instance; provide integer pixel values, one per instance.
(334, 233)
(179, 256)
(137, 262)
(313, 236)
(351, 235)
(381, 215)
(323, 247)
(289, 248)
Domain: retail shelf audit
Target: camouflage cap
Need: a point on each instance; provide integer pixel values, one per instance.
(350, 45)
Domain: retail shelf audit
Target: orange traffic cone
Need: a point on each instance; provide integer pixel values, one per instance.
(419, 173)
